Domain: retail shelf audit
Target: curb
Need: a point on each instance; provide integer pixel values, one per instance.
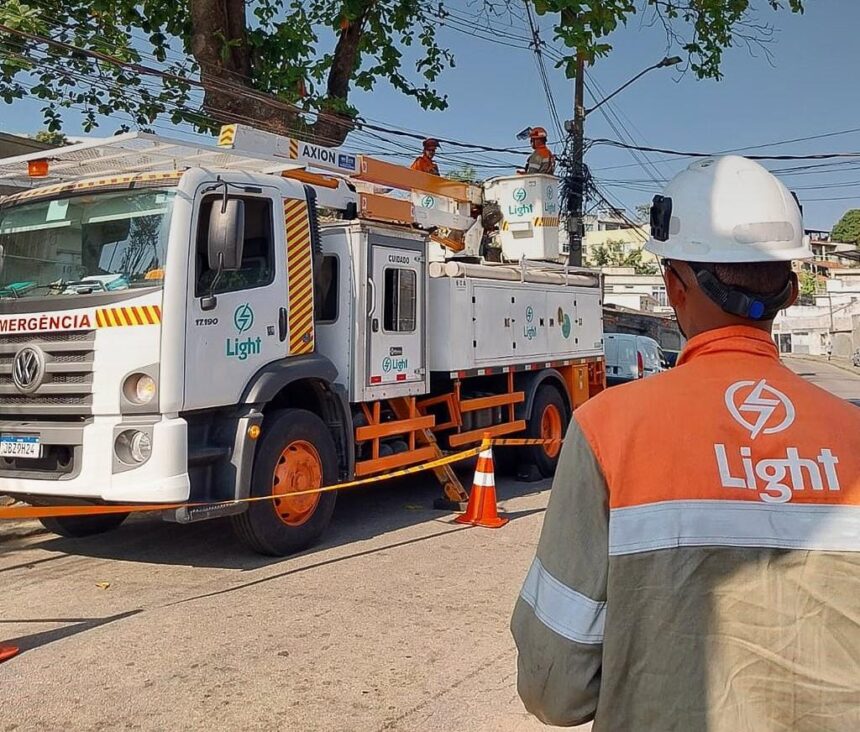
(836, 364)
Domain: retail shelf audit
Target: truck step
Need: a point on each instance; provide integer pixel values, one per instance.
(206, 455)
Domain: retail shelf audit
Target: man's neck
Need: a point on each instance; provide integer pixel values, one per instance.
(728, 322)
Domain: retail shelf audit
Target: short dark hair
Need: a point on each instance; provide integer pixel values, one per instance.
(762, 278)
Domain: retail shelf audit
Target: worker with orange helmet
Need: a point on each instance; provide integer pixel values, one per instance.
(424, 162)
(541, 160)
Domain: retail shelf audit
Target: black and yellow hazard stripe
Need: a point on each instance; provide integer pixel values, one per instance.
(294, 148)
(300, 271)
(226, 136)
(132, 315)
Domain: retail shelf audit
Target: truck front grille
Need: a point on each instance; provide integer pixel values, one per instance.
(67, 385)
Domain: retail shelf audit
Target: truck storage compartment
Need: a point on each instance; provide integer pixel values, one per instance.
(497, 315)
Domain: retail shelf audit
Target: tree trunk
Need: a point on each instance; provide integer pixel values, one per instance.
(219, 45)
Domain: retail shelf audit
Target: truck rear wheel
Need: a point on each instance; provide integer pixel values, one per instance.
(73, 527)
(296, 454)
(548, 421)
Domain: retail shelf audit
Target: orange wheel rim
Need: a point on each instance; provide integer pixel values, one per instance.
(298, 469)
(550, 429)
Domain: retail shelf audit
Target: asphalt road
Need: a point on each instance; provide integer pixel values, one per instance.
(844, 381)
(399, 621)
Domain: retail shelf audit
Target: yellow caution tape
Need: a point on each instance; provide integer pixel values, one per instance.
(31, 512)
(35, 512)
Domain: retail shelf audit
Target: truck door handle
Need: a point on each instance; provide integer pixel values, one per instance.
(374, 325)
(282, 324)
(371, 297)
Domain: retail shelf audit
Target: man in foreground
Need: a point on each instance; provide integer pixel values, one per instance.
(699, 565)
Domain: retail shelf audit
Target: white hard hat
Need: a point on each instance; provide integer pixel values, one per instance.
(724, 210)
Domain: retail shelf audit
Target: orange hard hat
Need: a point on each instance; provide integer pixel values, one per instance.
(431, 142)
(536, 132)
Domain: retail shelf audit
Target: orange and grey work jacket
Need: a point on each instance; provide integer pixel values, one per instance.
(541, 161)
(699, 565)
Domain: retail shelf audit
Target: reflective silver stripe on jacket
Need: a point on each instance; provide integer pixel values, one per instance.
(671, 524)
(561, 609)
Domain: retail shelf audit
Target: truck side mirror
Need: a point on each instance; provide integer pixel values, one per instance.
(226, 235)
(225, 242)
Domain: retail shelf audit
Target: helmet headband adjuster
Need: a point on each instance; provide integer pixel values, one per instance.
(738, 301)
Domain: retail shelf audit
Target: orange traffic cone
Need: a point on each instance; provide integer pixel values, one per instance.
(481, 510)
(6, 652)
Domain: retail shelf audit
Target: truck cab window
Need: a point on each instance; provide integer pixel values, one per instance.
(258, 256)
(326, 289)
(399, 300)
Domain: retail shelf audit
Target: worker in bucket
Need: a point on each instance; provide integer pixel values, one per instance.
(699, 564)
(424, 162)
(541, 160)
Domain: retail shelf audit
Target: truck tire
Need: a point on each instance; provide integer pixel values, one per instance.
(73, 527)
(296, 453)
(548, 419)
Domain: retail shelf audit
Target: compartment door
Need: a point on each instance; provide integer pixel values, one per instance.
(395, 323)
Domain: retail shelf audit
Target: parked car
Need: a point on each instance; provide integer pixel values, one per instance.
(670, 358)
(630, 357)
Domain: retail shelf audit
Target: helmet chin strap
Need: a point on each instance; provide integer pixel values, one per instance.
(737, 301)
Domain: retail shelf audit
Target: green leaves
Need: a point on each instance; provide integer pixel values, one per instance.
(700, 28)
(308, 54)
(279, 47)
(847, 230)
(617, 253)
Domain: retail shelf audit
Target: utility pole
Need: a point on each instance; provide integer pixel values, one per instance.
(576, 172)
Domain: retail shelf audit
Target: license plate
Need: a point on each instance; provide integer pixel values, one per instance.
(20, 446)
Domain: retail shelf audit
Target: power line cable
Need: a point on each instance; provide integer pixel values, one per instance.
(239, 90)
(816, 156)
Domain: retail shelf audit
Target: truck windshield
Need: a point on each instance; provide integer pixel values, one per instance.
(96, 242)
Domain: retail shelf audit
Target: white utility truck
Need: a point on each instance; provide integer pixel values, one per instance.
(184, 323)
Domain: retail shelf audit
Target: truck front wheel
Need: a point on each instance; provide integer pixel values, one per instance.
(295, 456)
(73, 527)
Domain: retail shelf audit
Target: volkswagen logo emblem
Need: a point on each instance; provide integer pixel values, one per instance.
(28, 369)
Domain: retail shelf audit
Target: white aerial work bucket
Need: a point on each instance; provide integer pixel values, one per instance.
(530, 215)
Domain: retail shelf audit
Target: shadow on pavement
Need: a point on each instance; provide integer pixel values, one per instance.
(78, 625)
(360, 514)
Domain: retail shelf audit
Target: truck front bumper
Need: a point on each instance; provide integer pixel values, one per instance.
(79, 461)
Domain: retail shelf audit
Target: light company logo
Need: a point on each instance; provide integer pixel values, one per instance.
(241, 348)
(243, 318)
(390, 364)
(549, 200)
(772, 411)
(764, 410)
(521, 207)
(428, 202)
(530, 329)
(564, 322)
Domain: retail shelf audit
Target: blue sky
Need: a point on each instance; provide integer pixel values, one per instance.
(808, 88)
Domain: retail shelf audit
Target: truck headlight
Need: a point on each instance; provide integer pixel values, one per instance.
(139, 389)
(133, 447)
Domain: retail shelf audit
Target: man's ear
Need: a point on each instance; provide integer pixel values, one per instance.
(676, 290)
(795, 290)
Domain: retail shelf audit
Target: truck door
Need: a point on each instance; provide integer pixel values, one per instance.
(396, 319)
(229, 343)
